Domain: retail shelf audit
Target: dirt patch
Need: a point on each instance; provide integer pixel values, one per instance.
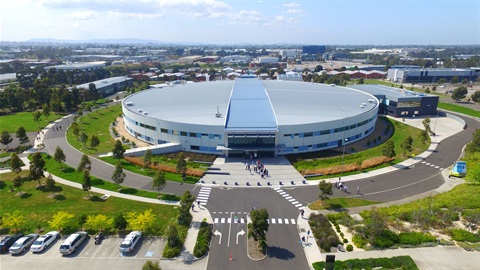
(254, 250)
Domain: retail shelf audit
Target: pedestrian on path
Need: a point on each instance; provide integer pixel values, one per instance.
(303, 239)
(358, 190)
(302, 212)
(193, 207)
(308, 233)
(198, 203)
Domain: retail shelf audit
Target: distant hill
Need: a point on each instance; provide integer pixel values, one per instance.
(99, 41)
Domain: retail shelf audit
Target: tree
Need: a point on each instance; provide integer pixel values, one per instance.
(5, 138)
(159, 180)
(184, 216)
(75, 129)
(37, 116)
(99, 222)
(474, 145)
(426, 125)
(50, 183)
(423, 136)
(119, 222)
(13, 220)
(151, 265)
(61, 220)
(37, 167)
(260, 225)
(17, 182)
(376, 224)
(94, 142)
(21, 134)
(118, 150)
(147, 159)
(181, 165)
(84, 164)
(326, 189)
(15, 163)
(46, 111)
(141, 222)
(173, 239)
(87, 181)
(84, 139)
(441, 81)
(59, 157)
(454, 80)
(118, 175)
(407, 145)
(389, 149)
(476, 96)
(459, 93)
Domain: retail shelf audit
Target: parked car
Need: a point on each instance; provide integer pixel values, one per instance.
(71, 244)
(130, 241)
(23, 243)
(8, 241)
(44, 241)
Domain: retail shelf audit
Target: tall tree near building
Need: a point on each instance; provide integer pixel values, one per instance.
(459, 93)
(181, 166)
(426, 125)
(6, 138)
(259, 225)
(476, 96)
(59, 157)
(147, 159)
(21, 134)
(454, 80)
(118, 175)
(118, 150)
(326, 189)
(37, 167)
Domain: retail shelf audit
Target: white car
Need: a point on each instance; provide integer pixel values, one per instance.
(130, 241)
(44, 241)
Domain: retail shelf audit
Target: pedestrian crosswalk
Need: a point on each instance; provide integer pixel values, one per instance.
(289, 198)
(242, 220)
(203, 195)
(431, 165)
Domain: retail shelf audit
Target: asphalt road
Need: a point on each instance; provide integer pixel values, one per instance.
(284, 249)
(102, 169)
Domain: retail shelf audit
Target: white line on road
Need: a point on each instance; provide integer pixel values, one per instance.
(215, 220)
(292, 221)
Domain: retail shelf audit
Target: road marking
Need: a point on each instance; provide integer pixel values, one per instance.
(289, 198)
(273, 221)
(432, 165)
(229, 220)
(423, 162)
(286, 221)
(229, 229)
(242, 232)
(215, 220)
(218, 234)
(222, 220)
(277, 188)
(427, 163)
(298, 205)
(281, 193)
(292, 221)
(280, 221)
(285, 195)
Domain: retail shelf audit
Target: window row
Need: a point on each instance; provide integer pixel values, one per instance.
(328, 131)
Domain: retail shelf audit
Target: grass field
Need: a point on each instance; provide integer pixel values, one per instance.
(38, 207)
(401, 132)
(339, 203)
(73, 175)
(12, 122)
(96, 123)
(137, 169)
(459, 109)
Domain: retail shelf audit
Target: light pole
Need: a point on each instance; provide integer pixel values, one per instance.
(343, 157)
(435, 125)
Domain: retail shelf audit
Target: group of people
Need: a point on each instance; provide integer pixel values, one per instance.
(258, 168)
(341, 186)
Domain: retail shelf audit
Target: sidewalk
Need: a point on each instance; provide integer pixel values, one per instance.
(311, 249)
(198, 215)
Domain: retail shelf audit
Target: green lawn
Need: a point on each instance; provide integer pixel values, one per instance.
(339, 203)
(96, 123)
(73, 175)
(400, 133)
(459, 109)
(12, 122)
(137, 169)
(38, 208)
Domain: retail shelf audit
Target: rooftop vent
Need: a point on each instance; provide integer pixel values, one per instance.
(218, 114)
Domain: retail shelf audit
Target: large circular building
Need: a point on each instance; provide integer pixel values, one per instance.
(250, 116)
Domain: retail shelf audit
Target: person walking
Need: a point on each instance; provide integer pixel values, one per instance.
(358, 190)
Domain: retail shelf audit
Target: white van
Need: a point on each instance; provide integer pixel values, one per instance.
(71, 244)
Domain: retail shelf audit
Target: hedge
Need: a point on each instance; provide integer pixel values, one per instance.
(203, 240)
(323, 232)
(369, 163)
(359, 241)
(399, 262)
(138, 161)
(415, 238)
(464, 236)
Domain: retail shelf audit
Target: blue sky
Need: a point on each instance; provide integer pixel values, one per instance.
(376, 22)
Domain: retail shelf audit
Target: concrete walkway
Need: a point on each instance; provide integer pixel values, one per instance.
(199, 213)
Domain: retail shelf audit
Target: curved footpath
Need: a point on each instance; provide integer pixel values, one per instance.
(312, 251)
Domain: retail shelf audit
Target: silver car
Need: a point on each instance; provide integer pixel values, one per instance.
(44, 241)
(23, 243)
(130, 241)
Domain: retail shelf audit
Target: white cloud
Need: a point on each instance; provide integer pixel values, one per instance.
(84, 15)
(290, 5)
(114, 15)
(294, 11)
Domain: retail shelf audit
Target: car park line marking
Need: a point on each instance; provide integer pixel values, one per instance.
(99, 247)
(116, 247)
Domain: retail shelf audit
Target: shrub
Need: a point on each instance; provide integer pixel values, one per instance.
(386, 239)
(399, 262)
(169, 252)
(359, 241)
(345, 240)
(342, 235)
(166, 168)
(323, 232)
(415, 238)
(464, 236)
(349, 248)
(203, 240)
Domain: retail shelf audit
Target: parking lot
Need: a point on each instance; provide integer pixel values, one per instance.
(88, 256)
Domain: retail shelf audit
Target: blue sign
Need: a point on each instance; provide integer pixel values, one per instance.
(459, 169)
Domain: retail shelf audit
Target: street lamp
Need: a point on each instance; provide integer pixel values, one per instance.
(343, 157)
(435, 125)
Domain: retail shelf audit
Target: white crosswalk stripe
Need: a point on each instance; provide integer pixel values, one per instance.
(289, 198)
(242, 220)
(203, 195)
